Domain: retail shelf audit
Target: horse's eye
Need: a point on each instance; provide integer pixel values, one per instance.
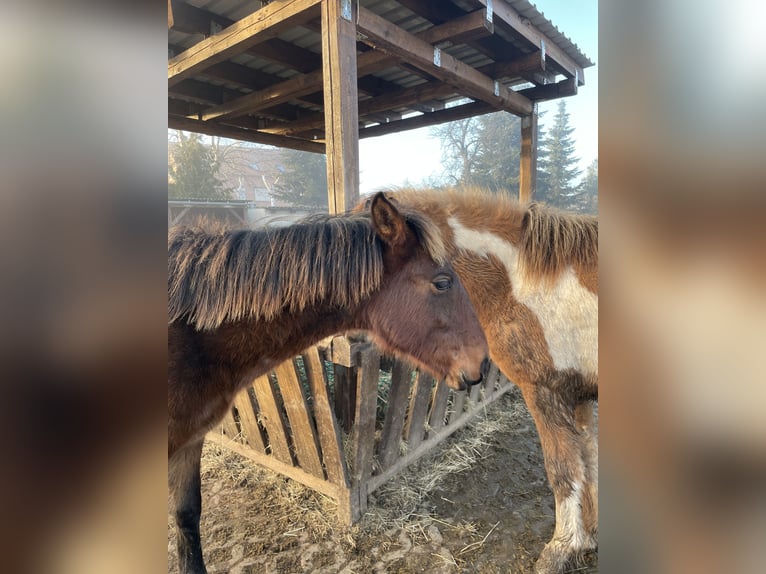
(442, 283)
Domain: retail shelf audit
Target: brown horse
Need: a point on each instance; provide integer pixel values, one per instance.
(532, 275)
(241, 302)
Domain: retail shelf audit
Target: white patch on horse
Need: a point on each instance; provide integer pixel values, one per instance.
(569, 526)
(567, 311)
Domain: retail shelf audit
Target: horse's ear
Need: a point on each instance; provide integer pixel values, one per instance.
(388, 222)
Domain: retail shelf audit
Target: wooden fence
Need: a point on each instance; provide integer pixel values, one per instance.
(342, 420)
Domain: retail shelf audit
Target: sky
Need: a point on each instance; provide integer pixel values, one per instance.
(412, 156)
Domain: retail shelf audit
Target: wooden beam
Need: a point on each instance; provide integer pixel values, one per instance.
(259, 26)
(528, 165)
(383, 35)
(237, 133)
(560, 89)
(505, 14)
(339, 68)
(534, 62)
(367, 63)
(432, 119)
(404, 97)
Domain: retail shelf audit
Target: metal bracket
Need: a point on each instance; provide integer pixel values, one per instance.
(489, 10)
(497, 88)
(345, 10)
(437, 56)
(215, 27)
(577, 78)
(542, 49)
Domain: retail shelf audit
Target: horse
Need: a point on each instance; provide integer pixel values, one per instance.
(241, 302)
(531, 273)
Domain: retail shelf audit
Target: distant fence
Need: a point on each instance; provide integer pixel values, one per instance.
(343, 420)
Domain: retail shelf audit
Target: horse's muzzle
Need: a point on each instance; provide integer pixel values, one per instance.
(483, 370)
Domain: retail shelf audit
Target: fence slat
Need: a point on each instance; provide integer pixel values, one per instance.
(327, 426)
(438, 407)
(272, 418)
(458, 404)
(296, 406)
(393, 424)
(229, 426)
(416, 418)
(366, 401)
(491, 379)
(248, 420)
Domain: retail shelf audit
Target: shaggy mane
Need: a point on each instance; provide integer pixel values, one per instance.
(552, 240)
(549, 239)
(214, 277)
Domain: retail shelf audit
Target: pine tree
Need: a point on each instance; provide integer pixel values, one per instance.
(304, 181)
(559, 168)
(588, 190)
(193, 169)
(497, 162)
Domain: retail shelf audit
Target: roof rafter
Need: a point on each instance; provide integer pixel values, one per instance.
(308, 83)
(258, 27)
(383, 35)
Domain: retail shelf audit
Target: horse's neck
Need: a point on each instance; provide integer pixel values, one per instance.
(253, 347)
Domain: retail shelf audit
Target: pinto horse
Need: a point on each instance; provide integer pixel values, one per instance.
(241, 302)
(532, 275)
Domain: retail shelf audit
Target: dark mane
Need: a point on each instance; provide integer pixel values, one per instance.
(551, 240)
(245, 274)
(214, 277)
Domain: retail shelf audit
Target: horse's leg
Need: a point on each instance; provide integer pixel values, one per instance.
(562, 444)
(184, 477)
(584, 417)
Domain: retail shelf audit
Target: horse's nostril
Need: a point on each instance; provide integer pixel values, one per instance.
(485, 367)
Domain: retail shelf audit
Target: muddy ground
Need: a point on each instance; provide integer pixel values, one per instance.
(481, 504)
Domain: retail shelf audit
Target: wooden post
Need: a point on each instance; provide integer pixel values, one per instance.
(528, 167)
(340, 103)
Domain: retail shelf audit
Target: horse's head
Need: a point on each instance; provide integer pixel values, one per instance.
(422, 311)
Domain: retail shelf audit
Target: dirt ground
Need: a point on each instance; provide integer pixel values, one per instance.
(480, 504)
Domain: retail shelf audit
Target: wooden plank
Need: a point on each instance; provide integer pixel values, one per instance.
(271, 416)
(393, 423)
(490, 381)
(416, 419)
(229, 426)
(248, 420)
(560, 89)
(534, 62)
(423, 448)
(327, 425)
(296, 406)
(259, 26)
(366, 402)
(431, 119)
(383, 35)
(345, 395)
(505, 14)
(340, 105)
(474, 393)
(436, 418)
(458, 404)
(528, 160)
(237, 133)
(268, 461)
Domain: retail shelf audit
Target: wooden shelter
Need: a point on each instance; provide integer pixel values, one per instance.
(317, 75)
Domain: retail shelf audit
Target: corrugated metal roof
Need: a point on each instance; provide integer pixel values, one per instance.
(539, 21)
